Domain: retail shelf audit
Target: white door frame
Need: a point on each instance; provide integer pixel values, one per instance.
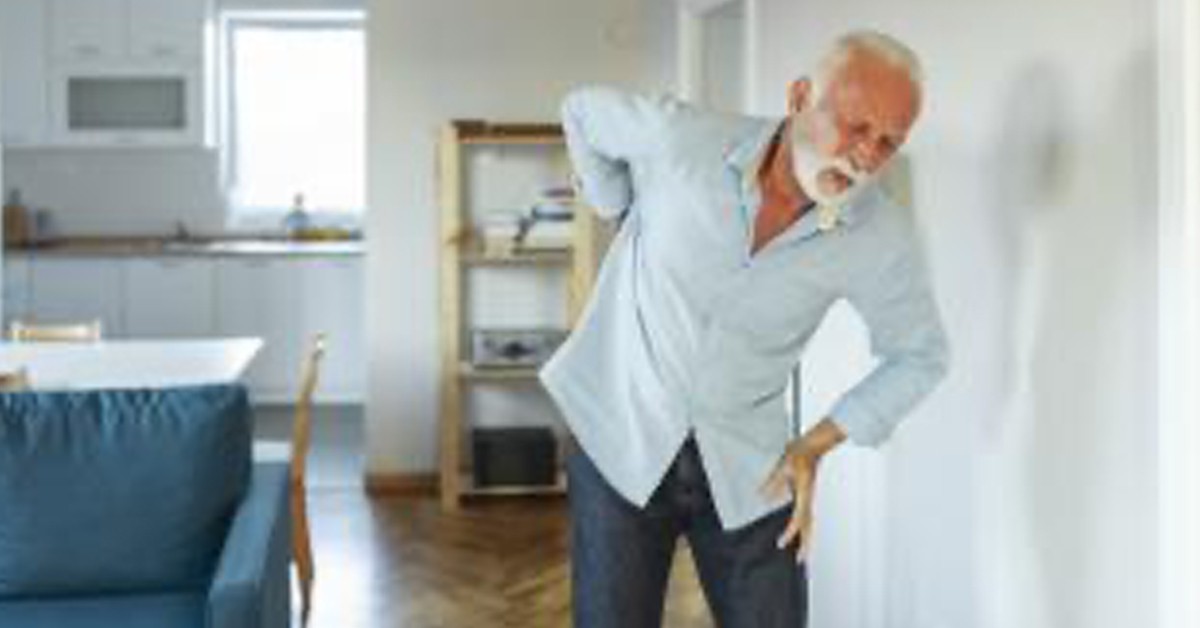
(690, 16)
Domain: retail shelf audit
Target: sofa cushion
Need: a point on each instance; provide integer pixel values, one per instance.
(120, 490)
(163, 610)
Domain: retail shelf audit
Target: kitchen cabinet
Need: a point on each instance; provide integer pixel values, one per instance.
(261, 296)
(283, 299)
(23, 92)
(78, 289)
(88, 31)
(16, 289)
(332, 304)
(170, 297)
(129, 73)
(286, 301)
(167, 29)
(128, 31)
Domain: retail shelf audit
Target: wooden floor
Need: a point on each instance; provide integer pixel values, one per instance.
(402, 563)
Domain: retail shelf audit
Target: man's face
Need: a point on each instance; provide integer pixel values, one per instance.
(848, 131)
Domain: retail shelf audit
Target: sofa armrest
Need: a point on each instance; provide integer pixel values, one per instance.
(251, 587)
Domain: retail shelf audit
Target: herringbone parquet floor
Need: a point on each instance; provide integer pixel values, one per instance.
(403, 563)
(400, 562)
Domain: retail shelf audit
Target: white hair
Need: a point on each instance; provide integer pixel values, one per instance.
(879, 45)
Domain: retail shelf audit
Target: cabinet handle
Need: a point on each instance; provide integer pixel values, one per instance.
(86, 50)
(162, 50)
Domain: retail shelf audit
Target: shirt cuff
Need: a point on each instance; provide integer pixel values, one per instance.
(606, 190)
(859, 423)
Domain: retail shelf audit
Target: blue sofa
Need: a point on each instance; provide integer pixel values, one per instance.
(139, 509)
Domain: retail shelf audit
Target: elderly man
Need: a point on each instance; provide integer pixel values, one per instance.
(737, 234)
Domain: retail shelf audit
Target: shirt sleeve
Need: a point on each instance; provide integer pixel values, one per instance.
(906, 334)
(607, 130)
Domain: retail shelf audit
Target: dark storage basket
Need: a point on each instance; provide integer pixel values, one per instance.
(522, 456)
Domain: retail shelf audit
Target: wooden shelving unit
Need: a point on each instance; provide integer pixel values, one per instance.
(462, 250)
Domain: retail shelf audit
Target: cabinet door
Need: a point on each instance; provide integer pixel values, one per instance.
(167, 29)
(333, 305)
(262, 297)
(16, 289)
(77, 290)
(170, 298)
(23, 81)
(88, 30)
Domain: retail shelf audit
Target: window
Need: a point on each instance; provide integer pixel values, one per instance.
(295, 105)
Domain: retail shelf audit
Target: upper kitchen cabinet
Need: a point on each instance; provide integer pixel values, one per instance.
(88, 30)
(129, 31)
(167, 29)
(129, 73)
(23, 94)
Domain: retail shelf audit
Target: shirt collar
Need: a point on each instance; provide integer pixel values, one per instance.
(748, 152)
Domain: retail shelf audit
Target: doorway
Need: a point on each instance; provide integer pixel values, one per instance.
(716, 52)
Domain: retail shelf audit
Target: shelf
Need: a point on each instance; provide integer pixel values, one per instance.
(498, 373)
(476, 132)
(461, 251)
(473, 255)
(529, 140)
(513, 490)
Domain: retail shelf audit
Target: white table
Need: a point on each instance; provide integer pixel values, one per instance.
(129, 363)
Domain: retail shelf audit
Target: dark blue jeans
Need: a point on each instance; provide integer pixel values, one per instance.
(621, 555)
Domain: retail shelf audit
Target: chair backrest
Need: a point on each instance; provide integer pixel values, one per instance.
(21, 331)
(302, 425)
(14, 380)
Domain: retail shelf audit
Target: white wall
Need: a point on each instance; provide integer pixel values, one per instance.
(1023, 492)
(430, 62)
(120, 191)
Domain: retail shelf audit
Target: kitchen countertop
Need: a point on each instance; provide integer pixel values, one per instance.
(193, 247)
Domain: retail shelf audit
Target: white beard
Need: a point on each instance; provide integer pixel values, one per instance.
(817, 173)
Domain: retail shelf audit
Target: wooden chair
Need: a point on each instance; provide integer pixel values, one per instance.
(296, 452)
(20, 331)
(14, 380)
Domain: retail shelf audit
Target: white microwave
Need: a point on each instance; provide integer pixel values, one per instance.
(127, 107)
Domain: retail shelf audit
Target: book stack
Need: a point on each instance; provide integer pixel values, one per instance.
(546, 225)
(548, 222)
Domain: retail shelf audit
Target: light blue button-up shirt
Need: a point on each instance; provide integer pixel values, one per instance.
(686, 332)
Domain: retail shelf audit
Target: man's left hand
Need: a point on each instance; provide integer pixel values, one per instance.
(797, 471)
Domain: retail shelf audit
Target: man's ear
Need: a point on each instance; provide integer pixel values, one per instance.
(799, 93)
